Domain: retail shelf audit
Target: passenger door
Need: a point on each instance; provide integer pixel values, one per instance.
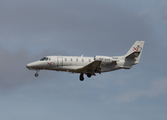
(59, 62)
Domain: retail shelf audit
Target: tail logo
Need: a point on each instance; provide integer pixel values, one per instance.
(138, 48)
(50, 63)
(134, 49)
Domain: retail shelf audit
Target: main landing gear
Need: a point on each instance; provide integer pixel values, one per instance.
(36, 74)
(81, 77)
(89, 75)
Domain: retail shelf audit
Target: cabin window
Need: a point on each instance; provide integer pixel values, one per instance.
(77, 59)
(89, 60)
(82, 60)
(71, 59)
(65, 59)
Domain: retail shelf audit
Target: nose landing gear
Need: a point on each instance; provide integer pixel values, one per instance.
(36, 74)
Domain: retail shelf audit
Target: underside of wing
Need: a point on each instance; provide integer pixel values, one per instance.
(133, 55)
(93, 67)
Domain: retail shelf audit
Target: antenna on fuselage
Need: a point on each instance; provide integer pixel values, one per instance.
(81, 55)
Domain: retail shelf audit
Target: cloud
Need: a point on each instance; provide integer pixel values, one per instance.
(157, 88)
(13, 72)
(156, 13)
(33, 29)
(13, 66)
(53, 24)
(62, 28)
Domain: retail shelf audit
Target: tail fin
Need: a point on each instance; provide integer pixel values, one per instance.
(135, 51)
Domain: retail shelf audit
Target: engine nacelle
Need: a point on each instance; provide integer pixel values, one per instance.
(103, 58)
(106, 60)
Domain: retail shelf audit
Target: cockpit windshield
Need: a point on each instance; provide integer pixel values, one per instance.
(44, 59)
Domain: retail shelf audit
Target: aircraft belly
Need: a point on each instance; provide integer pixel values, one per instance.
(68, 68)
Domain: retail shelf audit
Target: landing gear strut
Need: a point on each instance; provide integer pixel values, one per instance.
(81, 77)
(36, 74)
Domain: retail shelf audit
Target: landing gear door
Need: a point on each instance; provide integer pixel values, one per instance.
(59, 62)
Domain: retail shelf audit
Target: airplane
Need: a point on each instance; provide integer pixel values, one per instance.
(89, 65)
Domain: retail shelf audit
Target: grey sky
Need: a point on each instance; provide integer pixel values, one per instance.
(32, 29)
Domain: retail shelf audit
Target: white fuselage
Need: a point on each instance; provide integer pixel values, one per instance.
(71, 63)
(89, 65)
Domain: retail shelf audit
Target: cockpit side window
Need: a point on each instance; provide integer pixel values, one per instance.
(44, 59)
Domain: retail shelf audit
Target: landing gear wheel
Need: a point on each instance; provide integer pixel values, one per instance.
(81, 77)
(89, 75)
(36, 74)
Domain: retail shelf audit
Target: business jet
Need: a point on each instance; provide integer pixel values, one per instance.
(89, 65)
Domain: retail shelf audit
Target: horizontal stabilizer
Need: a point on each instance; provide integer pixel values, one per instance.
(133, 55)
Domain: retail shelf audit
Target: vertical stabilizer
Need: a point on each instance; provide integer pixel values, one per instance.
(135, 51)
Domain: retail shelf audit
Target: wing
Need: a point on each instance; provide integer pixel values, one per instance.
(94, 67)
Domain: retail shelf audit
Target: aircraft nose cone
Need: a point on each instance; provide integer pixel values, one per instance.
(28, 65)
(31, 65)
(35, 65)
